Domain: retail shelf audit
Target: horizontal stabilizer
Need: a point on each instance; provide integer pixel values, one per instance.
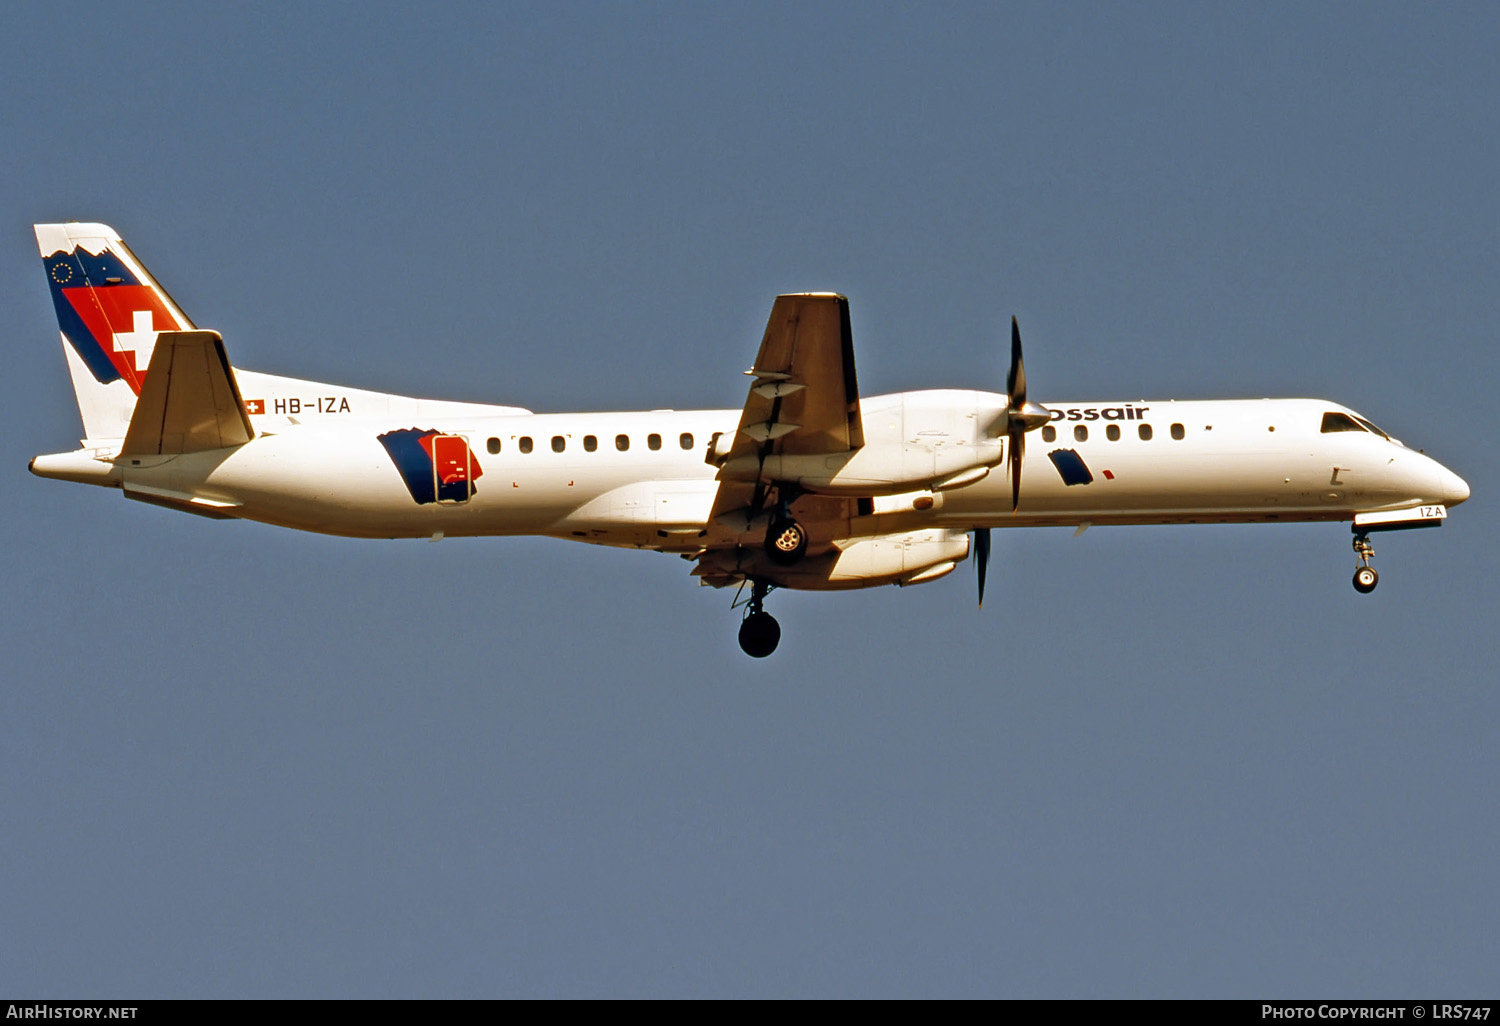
(190, 401)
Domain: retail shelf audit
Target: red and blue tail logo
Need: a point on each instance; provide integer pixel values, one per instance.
(106, 311)
(435, 467)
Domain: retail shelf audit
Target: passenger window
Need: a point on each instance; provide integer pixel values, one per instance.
(1339, 422)
(559, 443)
(653, 442)
(1145, 432)
(1049, 433)
(1112, 432)
(525, 443)
(622, 442)
(1081, 433)
(686, 441)
(493, 445)
(590, 443)
(1179, 432)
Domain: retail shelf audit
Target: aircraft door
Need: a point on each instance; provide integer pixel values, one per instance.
(453, 468)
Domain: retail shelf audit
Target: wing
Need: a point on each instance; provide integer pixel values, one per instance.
(804, 399)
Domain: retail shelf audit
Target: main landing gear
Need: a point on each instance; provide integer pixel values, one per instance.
(759, 631)
(785, 545)
(786, 540)
(1365, 577)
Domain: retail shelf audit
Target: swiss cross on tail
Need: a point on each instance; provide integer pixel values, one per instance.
(107, 312)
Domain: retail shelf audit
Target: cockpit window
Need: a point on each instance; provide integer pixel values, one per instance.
(1339, 422)
(1373, 428)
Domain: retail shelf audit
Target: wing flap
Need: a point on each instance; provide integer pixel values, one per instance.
(190, 401)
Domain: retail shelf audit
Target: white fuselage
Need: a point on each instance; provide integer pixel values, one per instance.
(1235, 461)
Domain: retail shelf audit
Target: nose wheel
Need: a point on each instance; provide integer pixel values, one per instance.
(759, 631)
(1365, 577)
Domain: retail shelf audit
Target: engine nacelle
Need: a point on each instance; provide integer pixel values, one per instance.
(922, 501)
(911, 557)
(873, 469)
(900, 558)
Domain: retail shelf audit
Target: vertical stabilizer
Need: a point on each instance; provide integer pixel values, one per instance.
(109, 311)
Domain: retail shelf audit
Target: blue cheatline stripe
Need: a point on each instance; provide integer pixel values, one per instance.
(1071, 466)
(406, 452)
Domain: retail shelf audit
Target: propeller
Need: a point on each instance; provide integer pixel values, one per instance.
(1020, 417)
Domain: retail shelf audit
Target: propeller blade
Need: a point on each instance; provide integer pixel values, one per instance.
(1015, 381)
(1020, 415)
(1016, 455)
(981, 557)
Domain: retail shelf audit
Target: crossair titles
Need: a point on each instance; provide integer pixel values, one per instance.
(1126, 412)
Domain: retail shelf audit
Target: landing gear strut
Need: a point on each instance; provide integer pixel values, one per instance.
(1365, 577)
(759, 631)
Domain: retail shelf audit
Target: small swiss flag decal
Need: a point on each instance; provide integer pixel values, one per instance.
(255, 406)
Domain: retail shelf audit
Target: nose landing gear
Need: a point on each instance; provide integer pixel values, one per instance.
(1365, 577)
(759, 631)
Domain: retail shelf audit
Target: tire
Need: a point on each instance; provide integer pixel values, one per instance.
(1365, 579)
(759, 635)
(786, 541)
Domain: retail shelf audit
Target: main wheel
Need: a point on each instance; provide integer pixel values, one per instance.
(786, 541)
(759, 635)
(1365, 579)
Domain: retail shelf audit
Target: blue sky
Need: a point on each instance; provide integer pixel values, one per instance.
(240, 761)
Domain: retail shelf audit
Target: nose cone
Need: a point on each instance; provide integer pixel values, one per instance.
(1435, 483)
(1454, 488)
(1425, 481)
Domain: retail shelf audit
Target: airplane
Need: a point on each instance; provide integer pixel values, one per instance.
(809, 486)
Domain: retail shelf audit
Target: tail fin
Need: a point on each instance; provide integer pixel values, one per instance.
(109, 310)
